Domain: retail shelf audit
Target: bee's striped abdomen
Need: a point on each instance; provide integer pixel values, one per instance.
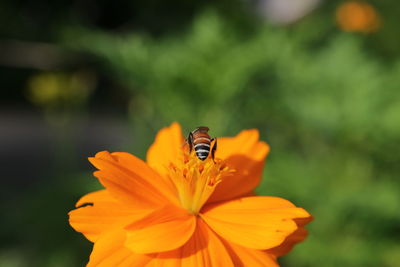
(201, 143)
(202, 150)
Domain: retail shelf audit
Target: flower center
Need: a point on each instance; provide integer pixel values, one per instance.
(196, 180)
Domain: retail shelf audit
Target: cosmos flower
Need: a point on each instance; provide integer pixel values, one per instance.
(176, 210)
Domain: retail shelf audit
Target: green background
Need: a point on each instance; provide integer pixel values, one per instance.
(327, 102)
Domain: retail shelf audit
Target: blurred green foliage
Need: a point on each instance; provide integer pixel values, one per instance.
(329, 109)
(327, 102)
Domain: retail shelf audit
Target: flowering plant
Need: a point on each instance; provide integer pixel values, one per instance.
(177, 210)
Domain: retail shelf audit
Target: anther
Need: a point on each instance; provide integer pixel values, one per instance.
(201, 168)
(172, 166)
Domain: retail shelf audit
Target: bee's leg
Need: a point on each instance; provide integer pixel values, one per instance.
(214, 149)
(189, 141)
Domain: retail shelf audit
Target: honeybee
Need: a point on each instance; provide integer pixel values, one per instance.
(201, 142)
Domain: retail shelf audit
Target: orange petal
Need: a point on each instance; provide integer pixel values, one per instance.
(298, 236)
(132, 181)
(109, 250)
(131, 162)
(97, 196)
(254, 222)
(245, 143)
(102, 214)
(204, 249)
(242, 256)
(246, 154)
(165, 229)
(166, 148)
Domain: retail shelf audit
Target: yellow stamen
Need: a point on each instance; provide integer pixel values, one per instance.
(196, 180)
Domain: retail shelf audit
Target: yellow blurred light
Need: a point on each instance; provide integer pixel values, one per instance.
(52, 89)
(357, 16)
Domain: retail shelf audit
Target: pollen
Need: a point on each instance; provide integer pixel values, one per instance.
(196, 180)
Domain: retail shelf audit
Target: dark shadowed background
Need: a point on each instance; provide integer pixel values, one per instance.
(319, 79)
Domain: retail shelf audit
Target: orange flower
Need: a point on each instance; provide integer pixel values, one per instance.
(176, 210)
(357, 16)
